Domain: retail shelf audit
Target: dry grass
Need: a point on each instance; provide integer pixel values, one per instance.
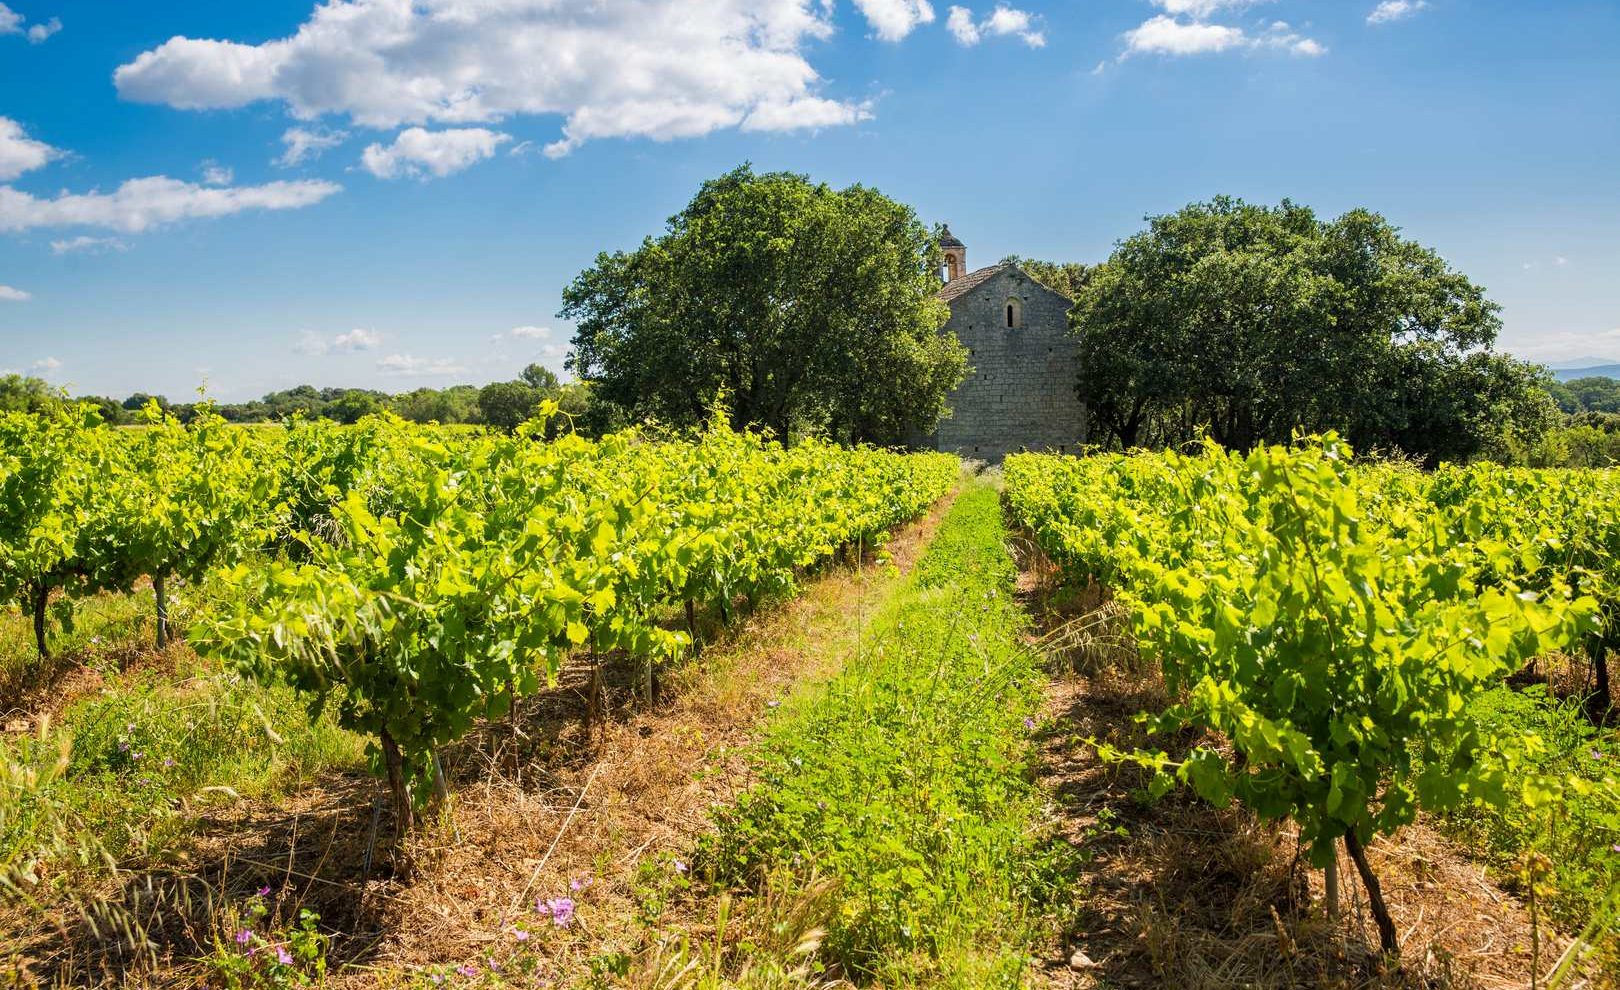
(1180, 894)
(538, 802)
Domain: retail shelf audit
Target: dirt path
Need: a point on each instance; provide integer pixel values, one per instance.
(1180, 894)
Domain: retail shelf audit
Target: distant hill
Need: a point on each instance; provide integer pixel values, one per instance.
(1595, 371)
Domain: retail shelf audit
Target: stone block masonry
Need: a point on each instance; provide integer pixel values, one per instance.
(1022, 390)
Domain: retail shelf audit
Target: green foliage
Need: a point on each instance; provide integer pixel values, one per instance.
(125, 772)
(904, 781)
(540, 377)
(50, 466)
(790, 298)
(506, 405)
(1334, 635)
(1065, 277)
(457, 404)
(253, 952)
(442, 575)
(25, 393)
(1580, 836)
(1578, 395)
(353, 406)
(1580, 440)
(1250, 322)
(175, 500)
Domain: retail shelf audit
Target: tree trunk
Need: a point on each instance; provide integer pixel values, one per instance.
(41, 595)
(1330, 886)
(441, 789)
(591, 692)
(1601, 703)
(404, 814)
(691, 626)
(162, 611)
(1387, 939)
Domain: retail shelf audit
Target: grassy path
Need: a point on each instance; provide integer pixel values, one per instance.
(895, 821)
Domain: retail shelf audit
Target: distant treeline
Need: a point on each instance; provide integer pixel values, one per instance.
(1587, 395)
(502, 405)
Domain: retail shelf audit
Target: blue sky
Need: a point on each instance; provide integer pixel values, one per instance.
(390, 195)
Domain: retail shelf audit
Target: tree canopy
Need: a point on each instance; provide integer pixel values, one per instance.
(25, 393)
(1595, 394)
(811, 309)
(1251, 322)
(505, 405)
(1065, 277)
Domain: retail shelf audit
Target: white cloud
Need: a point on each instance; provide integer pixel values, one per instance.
(11, 22)
(531, 333)
(407, 365)
(39, 32)
(1565, 346)
(8, 294)
(1003, 22)
(310, 342)
(959, 21)
(1165, 34)
(892, 20)
(808, 113)
(139, 204)
(358, 339)
(88, 245)
(20, 153)
(1281, 35)
(1560, 260)
(660, 69)
(1200, 9)
(215, 174)
(47, 364)
(1395, 10)
(419, 153)
(304, 143)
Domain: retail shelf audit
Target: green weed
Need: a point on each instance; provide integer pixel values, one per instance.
(904, 781)
(1580, 838)
(255, 951)
(126, 770)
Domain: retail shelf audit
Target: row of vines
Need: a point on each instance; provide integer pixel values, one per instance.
(1328, 625)
(417, 579)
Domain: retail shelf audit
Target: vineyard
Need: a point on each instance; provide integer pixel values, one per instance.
(704, 710)
(404, 581)
(1336, 639)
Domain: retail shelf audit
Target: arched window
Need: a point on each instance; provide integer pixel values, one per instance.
(1015, 313)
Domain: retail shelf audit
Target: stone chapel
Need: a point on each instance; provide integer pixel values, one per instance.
(1022, 387)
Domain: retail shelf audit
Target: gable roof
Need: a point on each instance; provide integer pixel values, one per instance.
(971, 281)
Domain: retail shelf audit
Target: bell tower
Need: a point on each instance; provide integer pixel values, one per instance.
(955, 255)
